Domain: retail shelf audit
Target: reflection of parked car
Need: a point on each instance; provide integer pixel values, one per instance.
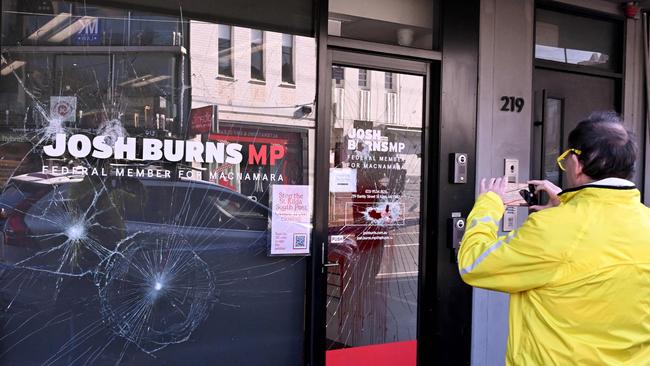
(196, 247)
(43, 211)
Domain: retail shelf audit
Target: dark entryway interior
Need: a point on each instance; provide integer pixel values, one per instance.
(562, 100)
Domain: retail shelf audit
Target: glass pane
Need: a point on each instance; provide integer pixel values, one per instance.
(407, 23)
(363, 79)
(225, 50)
(288, 16)
(374, 219)
(72, 75)
(578, 40)
(21, 72)
(553, 126)
(139, 187)
(69, 23)
(256, 36)
(287, 58)
(257, 55)
(146, 92)
(148, 29)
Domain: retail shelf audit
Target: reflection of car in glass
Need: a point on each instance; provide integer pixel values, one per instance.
(165, 261)
(44, 211)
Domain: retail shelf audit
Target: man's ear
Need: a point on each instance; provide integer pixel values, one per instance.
(576, 165)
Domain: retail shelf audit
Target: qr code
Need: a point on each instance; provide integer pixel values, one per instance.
(299, 241)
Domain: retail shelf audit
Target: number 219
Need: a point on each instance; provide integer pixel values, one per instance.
(512, 104)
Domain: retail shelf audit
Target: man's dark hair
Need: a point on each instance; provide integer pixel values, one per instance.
(608, 149)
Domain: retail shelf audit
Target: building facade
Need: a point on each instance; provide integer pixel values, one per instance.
(281, 182)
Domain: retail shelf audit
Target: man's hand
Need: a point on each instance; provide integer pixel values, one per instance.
(496, 185)
(551, 189)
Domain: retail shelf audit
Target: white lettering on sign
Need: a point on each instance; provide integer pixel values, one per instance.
(81, 146)
(372, 140)
(91, 28)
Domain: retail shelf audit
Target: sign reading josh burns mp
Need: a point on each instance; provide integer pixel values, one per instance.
(81, 146)
(151, 150)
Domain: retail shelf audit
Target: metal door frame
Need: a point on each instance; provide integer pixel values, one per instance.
(368, 60)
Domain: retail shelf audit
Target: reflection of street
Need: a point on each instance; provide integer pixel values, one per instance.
(398, 283)
(372, 294)
(400, 296)
(401, 255)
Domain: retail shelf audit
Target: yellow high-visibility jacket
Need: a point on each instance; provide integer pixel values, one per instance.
(578, 275)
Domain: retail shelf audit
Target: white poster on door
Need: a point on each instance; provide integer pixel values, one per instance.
(343, 180)
(63, 109)
(290, 219)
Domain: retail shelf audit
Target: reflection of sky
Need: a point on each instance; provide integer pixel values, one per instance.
(570, 56)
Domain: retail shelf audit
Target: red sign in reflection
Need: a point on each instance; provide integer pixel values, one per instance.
(201, 119)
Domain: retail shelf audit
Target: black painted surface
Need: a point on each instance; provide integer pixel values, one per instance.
(315, 320)
(457, 133)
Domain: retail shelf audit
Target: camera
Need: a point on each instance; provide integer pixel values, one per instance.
(530, 196)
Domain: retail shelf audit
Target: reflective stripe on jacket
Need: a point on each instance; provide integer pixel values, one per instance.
(578, 275)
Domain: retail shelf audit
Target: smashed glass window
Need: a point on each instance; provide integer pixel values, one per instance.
(136, 188)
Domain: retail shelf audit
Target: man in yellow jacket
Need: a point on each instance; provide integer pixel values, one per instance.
(578, 269)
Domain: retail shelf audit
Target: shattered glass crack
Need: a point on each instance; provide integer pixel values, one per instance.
(156, 292)
(100, 269)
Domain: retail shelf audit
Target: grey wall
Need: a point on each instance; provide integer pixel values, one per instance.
(505, 69)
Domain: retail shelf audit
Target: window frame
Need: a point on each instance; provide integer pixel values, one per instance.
(366, 84)
(393, 82)
(339, 83)
(571, 10)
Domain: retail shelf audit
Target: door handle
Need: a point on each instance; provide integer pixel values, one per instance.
(324, 262)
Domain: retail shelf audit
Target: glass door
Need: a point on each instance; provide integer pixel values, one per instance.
(548, 138)
(562, 100)
(375, 189)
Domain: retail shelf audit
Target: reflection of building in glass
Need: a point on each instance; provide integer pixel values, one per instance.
(374, 216)
(262, 77)
(68, 67)
(391, 101)
(62, 52)
(258, 87)
(133, 257)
